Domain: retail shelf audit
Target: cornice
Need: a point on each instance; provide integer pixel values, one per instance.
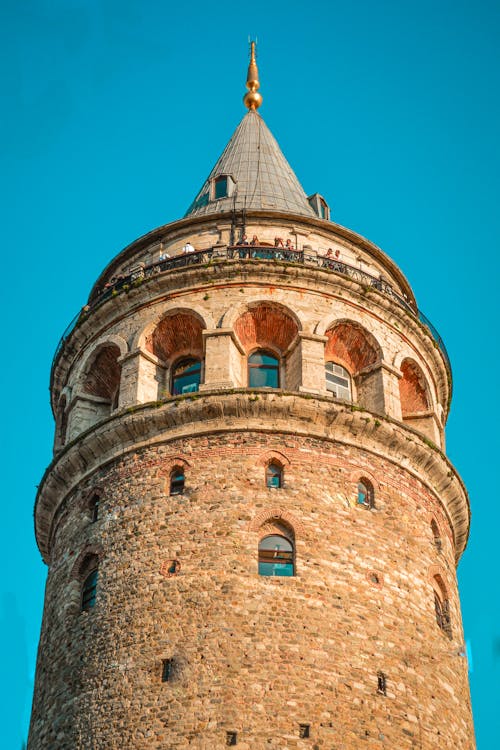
(219, 412)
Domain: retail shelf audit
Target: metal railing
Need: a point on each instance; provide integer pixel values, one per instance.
(138, 275)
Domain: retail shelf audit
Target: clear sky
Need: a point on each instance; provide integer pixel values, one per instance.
(113, 114)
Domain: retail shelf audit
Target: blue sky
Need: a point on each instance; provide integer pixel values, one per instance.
(113, 114)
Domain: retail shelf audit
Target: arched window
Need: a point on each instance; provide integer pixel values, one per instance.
(89, 590)
(274, 475)
(438, 542)
(442, 606)
(186, 376)
(366, 495)
(338, 381)
(177, 481)
(263, 370)
(275, 556)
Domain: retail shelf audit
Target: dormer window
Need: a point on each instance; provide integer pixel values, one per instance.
(319, 206)
(222, 186)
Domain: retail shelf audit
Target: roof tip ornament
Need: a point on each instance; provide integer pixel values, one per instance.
(252, 98)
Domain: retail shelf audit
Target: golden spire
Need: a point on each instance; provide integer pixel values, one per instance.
(252, 98)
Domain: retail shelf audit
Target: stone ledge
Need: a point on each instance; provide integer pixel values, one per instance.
(277, 411)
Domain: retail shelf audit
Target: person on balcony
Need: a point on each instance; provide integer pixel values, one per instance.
(188, 248)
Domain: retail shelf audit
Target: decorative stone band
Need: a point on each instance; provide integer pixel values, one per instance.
(158, 423)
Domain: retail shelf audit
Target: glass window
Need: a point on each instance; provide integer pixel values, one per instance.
(186, 376)
(220, 187)
(365, 493)
(274, 476)
(275, 556)
(177, 482)
(338, 381)
(89, 590)
(263, 370)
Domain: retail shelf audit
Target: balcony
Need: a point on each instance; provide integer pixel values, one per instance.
(310, 259)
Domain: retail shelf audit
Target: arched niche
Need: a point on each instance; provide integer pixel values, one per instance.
(355, 349)
(271, 329)
(416, 402)
(177, 345)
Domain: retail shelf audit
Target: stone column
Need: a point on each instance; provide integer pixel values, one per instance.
(141, 378)
(378, 389)
(223, 360)
(312, 352)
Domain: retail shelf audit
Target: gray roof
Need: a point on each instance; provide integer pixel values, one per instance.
(264, 179)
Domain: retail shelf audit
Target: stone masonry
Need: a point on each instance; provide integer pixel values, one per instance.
(184, 644)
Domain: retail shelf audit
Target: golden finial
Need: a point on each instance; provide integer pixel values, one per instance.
(252, 98)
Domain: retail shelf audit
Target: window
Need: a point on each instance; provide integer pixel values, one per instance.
(442, 608)
(89, 590)
(166, 670)
(274, 476)
(186, 376)
(338, 381)
(381, 683)
(304, 731)
(438, 543)
(220, 187)
(276, 556)
(177, 482)
(324, 211)
(263, 370)
(366, 495)
(231, 738)
(94, 507)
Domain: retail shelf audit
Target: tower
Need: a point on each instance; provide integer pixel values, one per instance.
(250, 523)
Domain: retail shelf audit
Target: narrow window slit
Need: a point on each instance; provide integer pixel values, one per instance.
(166, 670)
(381, 683)
(304, 731)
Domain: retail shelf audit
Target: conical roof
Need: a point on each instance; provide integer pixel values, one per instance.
(259, 176)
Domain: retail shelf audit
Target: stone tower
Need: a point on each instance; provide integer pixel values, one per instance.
(250, 523)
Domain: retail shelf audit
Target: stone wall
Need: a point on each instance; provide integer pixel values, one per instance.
(250, 654)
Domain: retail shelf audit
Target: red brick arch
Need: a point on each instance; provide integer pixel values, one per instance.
(175, 336)
(413, 389)
(266, 325)
(103, 373)
(276, 514)
(270, 456)
(351, 346)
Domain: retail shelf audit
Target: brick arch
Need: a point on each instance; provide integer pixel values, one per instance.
(356, 475)
(270, 456)
(86, 362)
(176, 335)
(413, 389)
(102, 375)
(273, 515)
(172, 463)
(437, 578)
(265, 324)
(91, 551)
(351, 345)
